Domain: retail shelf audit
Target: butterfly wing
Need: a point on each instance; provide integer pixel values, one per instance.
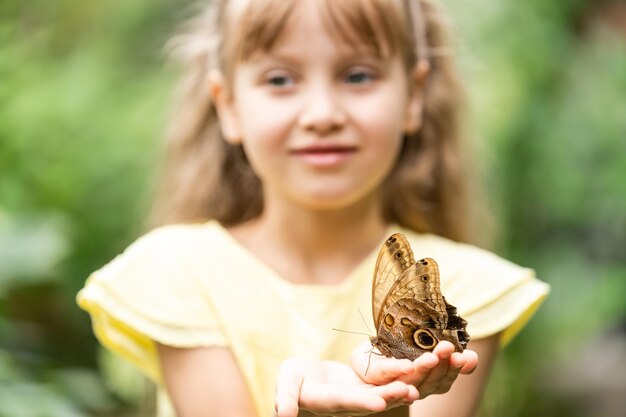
(410, 313)
(422, 283)
(428, 288)
(397, 275)
(394, 259)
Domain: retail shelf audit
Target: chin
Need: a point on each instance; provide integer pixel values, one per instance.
(332, 201)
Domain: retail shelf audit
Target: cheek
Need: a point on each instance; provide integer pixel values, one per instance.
(381, 120)
(264, 120)
(264, 128)
(381, 127)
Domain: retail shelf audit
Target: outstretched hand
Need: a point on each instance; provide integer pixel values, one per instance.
(328, 387)
(431, 373)
(373, 383)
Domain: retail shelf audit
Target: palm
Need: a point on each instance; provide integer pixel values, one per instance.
(335, 388)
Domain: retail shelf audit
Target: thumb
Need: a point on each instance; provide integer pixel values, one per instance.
(288, 385)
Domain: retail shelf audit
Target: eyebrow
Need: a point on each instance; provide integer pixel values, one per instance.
(293, 57)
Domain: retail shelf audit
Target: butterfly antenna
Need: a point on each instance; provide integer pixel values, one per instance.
(364, 322)
(369, 334)
(348, 331)
(369, 358)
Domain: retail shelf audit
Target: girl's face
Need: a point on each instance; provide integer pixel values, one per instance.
(321, 121)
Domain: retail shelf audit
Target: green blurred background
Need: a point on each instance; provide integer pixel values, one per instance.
(84, 95)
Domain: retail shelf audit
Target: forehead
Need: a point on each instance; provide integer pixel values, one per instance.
(257, 25)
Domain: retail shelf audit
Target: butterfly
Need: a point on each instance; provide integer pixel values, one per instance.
(410, 314)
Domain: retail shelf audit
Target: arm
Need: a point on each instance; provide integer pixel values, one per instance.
(464, 396)
(204, 382)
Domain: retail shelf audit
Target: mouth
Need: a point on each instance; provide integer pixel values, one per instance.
(324, 156)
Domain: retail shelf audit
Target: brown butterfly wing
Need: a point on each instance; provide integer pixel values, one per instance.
(424, 285)
(394, 259)
(410, 313)
(397, 275)
(399, 334)
(455, 330)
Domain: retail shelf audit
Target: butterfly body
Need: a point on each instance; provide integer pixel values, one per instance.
(410, 313)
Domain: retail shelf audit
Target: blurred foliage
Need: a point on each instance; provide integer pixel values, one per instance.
(84, 91)
(547, 82)
(83, 95)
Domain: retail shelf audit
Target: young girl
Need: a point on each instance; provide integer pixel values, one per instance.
(309, 131)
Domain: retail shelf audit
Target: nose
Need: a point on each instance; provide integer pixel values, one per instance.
(323, 112)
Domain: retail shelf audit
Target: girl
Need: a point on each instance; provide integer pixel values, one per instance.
(309, 131)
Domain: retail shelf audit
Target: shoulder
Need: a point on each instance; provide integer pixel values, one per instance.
(455, 257)
(182, 234)
(158, 259)
(177, 239)
(152, 292)
(492, 293)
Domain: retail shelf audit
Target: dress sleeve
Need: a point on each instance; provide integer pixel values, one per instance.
(491, 293)
(150, 293)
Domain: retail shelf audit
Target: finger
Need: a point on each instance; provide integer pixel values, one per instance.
(383, 370)
(438, 374)
(397, 393)
(377, 369)
(448, 379)
(288, 385)
(325, 399)
(444, 349)
(422, 366)
(329, 399)
(471, 361)
(458, 363)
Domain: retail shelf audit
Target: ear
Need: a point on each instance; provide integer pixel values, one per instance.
(415, 105)
(224, 104)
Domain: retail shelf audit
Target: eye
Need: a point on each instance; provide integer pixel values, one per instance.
(280, 81)
(279, 78)
(359, 76)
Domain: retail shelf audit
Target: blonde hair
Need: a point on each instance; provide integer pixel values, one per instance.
(207, 178)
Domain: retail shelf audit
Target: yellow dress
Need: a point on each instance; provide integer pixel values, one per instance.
(194, 285)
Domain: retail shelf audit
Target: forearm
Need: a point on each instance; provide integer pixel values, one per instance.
(204, 382)
(464, 396)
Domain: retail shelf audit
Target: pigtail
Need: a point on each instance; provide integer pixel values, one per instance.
(427, 191)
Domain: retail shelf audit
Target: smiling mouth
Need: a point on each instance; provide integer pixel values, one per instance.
(324, 156)
(324, 150)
